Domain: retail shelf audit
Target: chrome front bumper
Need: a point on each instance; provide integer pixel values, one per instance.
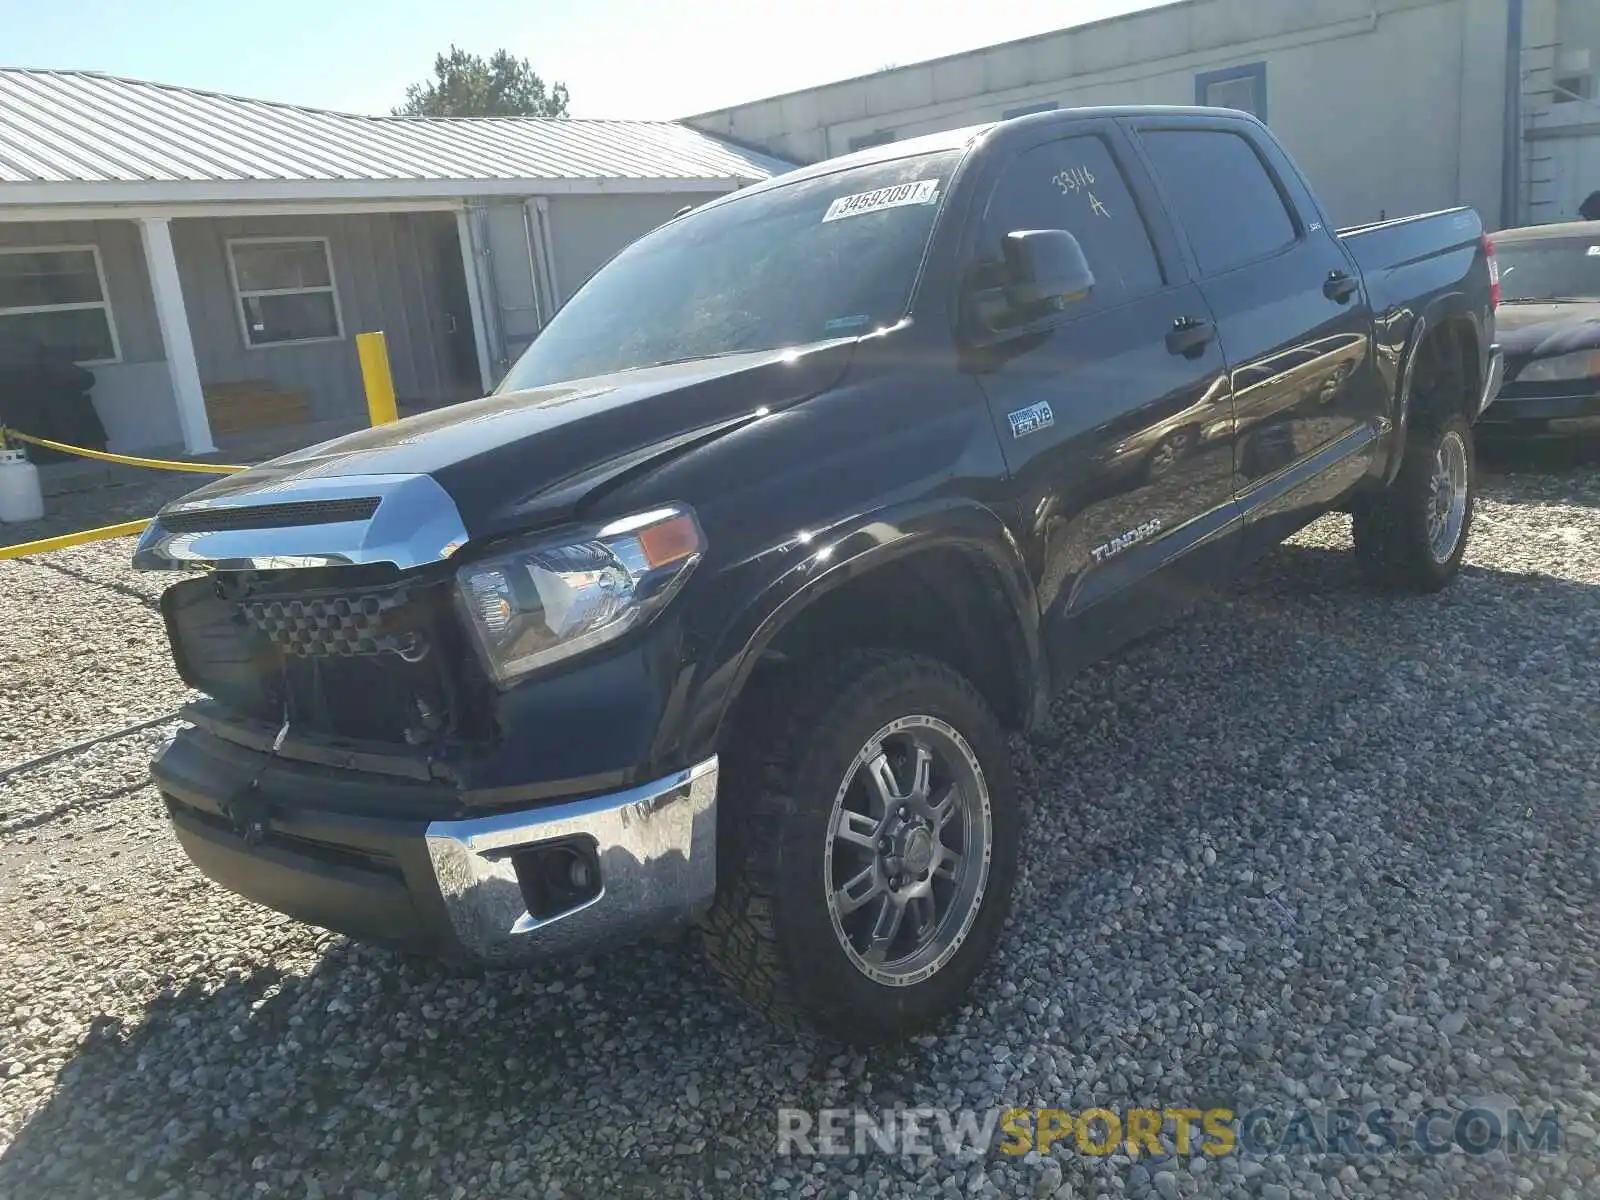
(656, 846)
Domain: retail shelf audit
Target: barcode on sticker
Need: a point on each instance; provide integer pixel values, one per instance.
(923, 191)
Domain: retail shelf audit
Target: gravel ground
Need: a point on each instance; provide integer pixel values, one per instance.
(1313, 847)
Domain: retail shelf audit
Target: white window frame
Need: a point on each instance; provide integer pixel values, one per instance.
(240, 296)
(103, 303)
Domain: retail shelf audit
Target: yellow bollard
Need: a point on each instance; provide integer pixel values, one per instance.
(373, 351)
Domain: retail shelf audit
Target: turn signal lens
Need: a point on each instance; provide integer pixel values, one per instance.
(671, 541)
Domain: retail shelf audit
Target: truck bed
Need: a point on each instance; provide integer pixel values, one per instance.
(1411, 260)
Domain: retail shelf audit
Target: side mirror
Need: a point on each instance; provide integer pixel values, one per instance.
(1045, 266)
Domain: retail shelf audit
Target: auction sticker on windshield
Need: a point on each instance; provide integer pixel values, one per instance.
(900, 195)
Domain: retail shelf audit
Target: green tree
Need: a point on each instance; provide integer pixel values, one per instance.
(468, 85)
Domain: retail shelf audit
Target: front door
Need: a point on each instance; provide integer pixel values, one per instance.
(1113, 411)
(1295, 324)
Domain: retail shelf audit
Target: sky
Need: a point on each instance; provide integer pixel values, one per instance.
(620, 58)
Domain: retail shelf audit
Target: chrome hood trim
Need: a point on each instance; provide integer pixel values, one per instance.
(415, 523)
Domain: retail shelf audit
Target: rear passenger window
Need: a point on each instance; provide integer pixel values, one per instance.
(1220, 192)
(1075, 184)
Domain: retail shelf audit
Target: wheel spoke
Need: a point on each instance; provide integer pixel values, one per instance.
(924, 914)
(884, 929)
(859, 889)
(883, 781)
(949, 866)
(857, 829)
(921, 768)
(945, 807)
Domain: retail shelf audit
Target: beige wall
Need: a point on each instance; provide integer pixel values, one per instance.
(586, 231)
(1391, 106)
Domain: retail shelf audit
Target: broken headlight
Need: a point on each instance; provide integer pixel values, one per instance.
(566, 593)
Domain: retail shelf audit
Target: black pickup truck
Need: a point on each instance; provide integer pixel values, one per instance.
(716, 612)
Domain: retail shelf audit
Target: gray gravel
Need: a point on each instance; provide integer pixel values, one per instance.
(1313, 847)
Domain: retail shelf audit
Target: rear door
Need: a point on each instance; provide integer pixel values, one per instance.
(1295, 324)
(1117, 436)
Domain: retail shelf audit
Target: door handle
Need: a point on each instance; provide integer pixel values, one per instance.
(1341, 285)
(1190, 337)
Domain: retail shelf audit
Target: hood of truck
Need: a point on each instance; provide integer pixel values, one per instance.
(1528, 331)
(512, 461)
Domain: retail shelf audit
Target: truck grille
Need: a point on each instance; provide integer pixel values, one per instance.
(339, 625)
(384, 663)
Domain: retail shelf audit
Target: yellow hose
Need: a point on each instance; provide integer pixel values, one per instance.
(74, 539)
(157, 464)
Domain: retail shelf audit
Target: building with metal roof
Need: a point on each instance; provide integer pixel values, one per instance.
(211, 257)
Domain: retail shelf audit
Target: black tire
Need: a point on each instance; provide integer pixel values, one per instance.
(771, 932)
(1393, 541)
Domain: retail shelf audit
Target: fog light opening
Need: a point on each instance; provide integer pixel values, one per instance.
(557, 877)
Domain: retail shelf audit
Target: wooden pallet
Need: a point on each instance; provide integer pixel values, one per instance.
(240, 406)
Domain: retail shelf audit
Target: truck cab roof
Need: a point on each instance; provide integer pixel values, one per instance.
(967, 135)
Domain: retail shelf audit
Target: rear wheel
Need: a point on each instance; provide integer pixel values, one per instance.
(871, 852)
(1412, 536)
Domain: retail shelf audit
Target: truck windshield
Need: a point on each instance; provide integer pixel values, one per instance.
(834, 256)
(1558, 269)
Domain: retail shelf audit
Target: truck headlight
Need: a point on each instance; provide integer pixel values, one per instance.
(1582, 364)
(566, 593)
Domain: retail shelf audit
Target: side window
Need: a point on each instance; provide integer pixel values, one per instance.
(1220, 192)
(1076, 185)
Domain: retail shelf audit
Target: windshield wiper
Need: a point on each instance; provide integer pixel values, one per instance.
(1550, 300)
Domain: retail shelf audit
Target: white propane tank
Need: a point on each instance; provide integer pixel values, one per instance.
(20, 496)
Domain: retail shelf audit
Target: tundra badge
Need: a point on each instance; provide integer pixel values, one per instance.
(1123, 540)
(1031, 419)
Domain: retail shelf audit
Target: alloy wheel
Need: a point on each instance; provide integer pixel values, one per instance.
(909, 843)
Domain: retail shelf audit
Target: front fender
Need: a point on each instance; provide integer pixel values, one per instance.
(798, 573)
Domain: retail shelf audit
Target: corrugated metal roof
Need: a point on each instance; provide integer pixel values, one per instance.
(81, 127)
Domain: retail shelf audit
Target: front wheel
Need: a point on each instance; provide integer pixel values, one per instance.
(1413, 535)
(871, 858)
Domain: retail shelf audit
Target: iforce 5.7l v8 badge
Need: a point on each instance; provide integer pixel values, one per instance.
(1031, 419)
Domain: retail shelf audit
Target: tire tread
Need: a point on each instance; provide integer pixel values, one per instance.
(1390, 530)
(739, 936)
